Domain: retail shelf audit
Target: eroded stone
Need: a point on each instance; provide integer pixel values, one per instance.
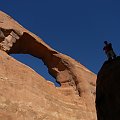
(72, 101)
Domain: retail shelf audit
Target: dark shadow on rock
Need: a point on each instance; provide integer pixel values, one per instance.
(108, 90)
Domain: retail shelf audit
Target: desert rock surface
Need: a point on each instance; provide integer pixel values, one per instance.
(25, 95)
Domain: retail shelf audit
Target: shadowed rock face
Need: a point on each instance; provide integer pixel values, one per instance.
(28, 94)
(107, 91)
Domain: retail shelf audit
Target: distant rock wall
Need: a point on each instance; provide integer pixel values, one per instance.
(108, 91)
(74, 100)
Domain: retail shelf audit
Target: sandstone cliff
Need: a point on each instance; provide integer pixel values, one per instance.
(25, 95)
(107, 91)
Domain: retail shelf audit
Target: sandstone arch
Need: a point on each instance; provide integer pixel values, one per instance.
(59, 66)
(68, 72)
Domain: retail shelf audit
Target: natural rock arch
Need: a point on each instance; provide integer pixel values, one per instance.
(59, 66)
(26, 44)
(68, 72)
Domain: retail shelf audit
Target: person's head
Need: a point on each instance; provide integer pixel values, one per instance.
(106, 42)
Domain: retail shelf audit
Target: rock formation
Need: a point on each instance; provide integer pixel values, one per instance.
(107, 91)
(25, 95)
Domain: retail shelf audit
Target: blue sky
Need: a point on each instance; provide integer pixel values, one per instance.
(77, 28)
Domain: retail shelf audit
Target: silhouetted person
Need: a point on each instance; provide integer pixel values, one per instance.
(109, 50)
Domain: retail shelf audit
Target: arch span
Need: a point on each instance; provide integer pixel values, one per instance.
(63, 68)
(14, 43)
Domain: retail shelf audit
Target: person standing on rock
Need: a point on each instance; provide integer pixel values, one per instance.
(109, 50)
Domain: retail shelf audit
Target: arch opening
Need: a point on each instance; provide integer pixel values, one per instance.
(37, 65)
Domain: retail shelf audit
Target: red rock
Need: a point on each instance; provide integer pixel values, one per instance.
(26, 95)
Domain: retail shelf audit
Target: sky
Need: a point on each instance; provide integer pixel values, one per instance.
(77, 28)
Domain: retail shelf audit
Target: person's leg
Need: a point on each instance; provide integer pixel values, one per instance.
(109, 55)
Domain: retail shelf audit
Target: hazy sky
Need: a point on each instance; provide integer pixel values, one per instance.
(77, 28)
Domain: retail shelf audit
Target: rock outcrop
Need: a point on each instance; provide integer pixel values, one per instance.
(25, 95)
(107, 91)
